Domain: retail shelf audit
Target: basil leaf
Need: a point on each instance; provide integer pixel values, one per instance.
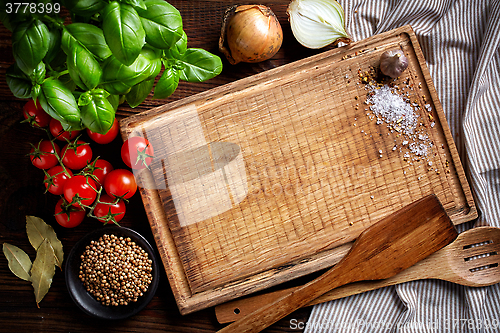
(18, 82)
(123, 31)
(12, 20)
(38, 74)
(30, 44)
(35, 91)
(37, 77)
(68, 82)
(83, 68)
(54, 45)
(154, 68)
(152, 53)
(135, 3)
(58, 101)
(162, 23)
(6, 19)
(84, 8)
(98, 114)
(118, 78)
(178, 49)
(139, 92)
(199, 65)
(167, 83)
(154, 56)
(84, 98)
(88, 36)
(115, 101)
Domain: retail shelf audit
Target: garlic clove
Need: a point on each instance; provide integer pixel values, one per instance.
(317, 23)
(393, 63)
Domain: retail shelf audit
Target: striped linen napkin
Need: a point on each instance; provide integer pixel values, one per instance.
(460, 40)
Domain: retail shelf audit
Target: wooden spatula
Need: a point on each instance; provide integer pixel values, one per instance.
(472, 259)
(384, 249)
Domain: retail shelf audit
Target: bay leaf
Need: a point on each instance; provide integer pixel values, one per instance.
(38, 231)
(19, 261)
(43, 270)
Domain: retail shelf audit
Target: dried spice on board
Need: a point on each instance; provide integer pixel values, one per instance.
(392, 102)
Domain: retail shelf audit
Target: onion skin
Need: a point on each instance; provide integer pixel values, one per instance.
(393, 63)
(250, 33)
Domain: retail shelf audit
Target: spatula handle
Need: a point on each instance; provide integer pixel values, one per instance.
(226, 312)
(297, 298)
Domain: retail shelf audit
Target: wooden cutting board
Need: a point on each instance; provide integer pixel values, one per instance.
(272, 177)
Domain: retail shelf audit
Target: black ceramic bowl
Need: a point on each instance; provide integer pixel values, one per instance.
(84, 300)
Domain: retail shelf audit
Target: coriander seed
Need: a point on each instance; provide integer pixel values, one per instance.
(115, 270)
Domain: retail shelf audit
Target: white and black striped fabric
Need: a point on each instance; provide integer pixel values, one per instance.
(461, 44)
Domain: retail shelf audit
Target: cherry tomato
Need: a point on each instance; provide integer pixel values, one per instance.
(67, 215)
(99, 169)
(105, 138)
(43, 156)
(137, 152)
(109, 209)
(120, 183)
(80, 189)
(59, 133)
(35, 114)
(55, 178)
(77, 159)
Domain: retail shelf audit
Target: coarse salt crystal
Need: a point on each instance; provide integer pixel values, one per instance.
(418, 149)
(401, 116)
(393, 109)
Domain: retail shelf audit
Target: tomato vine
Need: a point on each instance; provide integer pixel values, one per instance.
(82, 183)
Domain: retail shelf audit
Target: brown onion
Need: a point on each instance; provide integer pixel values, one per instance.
(250, 33)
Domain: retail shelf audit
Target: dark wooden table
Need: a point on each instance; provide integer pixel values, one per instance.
(22, 193)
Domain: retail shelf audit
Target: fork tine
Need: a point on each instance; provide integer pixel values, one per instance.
(478, 256)
(481, 249)
(490, 242)
(485, 261)
(491, 270)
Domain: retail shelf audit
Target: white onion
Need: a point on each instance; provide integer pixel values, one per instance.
(317, 23)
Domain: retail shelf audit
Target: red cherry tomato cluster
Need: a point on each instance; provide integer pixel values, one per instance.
(87, 187)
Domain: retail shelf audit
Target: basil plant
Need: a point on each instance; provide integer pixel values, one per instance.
(110, 52)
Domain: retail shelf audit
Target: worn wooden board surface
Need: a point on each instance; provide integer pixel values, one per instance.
(271, 177)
